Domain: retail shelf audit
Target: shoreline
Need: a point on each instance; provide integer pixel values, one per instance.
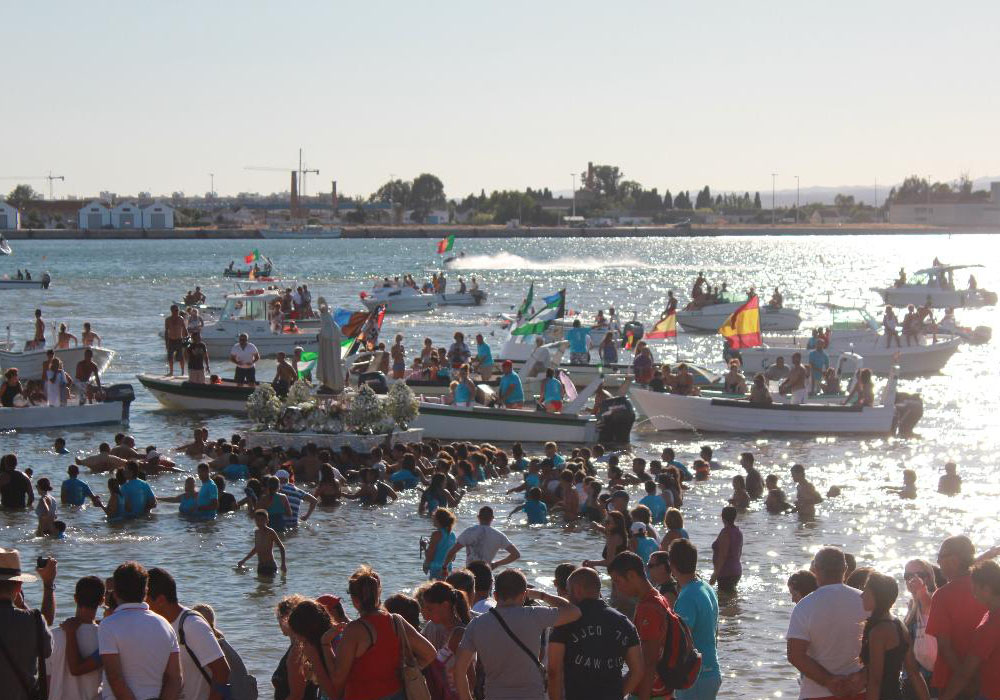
(486, 232)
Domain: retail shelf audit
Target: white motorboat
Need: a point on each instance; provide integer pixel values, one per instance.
(935, 287)
(725, 415)
(399, 300)
(709, 318)
(853, 330)
(474, 297)
(250, 313)
(29, 362)
(178, 393)
(114, 409)
(571, 426)
(5, 248)
(301, 232)
(42, 282)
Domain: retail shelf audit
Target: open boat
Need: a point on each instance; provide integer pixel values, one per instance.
(399, 300)
(736, 415)
(572, 425)
(41, 283)
(180, 394)
(29, 363)
(935, 286)
(113, 409)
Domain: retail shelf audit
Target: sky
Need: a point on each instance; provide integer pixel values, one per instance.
(140, 96)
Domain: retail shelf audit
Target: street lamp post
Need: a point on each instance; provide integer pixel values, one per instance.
(796, 199)
(573, 175)
(773, 175)
(212, 175)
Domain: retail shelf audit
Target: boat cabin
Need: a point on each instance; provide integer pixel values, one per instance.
(942, 277)
(254, 305)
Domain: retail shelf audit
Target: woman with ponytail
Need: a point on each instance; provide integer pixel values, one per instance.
(313, 629)
(368, 656)
(447, 611)
(885, 644)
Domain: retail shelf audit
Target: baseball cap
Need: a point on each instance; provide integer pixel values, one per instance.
(283, 474)
(620, 493)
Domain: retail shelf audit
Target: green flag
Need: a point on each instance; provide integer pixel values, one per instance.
(526, 305)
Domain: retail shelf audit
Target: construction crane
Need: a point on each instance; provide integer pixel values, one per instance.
(302, 171)
(50, 177)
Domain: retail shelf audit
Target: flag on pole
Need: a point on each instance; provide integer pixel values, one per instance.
(306, 372)
(251, 257)
(526, 304)
(446, 244)
(555, 307)
(742, 328)
(666, 327)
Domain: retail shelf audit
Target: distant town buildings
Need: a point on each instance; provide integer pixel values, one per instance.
(933, 213)
(10, 217)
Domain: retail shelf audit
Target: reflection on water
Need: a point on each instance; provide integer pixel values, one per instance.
(124, 288)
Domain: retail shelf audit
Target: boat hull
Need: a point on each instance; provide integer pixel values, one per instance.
(670, 412)
(940, 298)
(502, 425)
(913, 360)
(115, 410)
(178, 394)
(23, 284)
(402, 305)
(459, 299)
(29, 364)
(710, 318)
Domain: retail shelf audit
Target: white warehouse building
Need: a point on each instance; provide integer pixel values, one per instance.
(10, 217)
(126, 215)
(95, 216)
(157, 216)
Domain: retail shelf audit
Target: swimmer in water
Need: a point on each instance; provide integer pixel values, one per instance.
(264, 541)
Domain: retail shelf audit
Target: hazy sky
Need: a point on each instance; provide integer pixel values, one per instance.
(130, 96)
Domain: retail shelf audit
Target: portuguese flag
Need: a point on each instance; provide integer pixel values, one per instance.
(251, 257)
(742, 328)
(446, 244)
(666, 327)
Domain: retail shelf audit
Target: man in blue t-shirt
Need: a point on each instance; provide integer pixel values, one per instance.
(578, 338)
(818, 362)
(136, 493)
(484, 358)
(657, 506)
(75, 492)
(208, 495)
(698, 606)
(511, 392)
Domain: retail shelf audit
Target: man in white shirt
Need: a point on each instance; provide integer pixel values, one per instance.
(138, 648)
(205, 671)
(74, 666)
(244, 355)
(483, 541)
(824, 633)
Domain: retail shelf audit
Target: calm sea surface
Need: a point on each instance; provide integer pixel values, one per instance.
(124, 288)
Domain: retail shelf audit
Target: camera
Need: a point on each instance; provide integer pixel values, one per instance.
(42, 562)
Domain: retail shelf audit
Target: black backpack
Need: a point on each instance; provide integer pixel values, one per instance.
(680, 663)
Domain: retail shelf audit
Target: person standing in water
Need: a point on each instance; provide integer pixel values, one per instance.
(264, 541)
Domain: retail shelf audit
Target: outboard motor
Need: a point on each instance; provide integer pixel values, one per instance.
(614, 425)
(909, 411)
(123, 393)
(375, 380)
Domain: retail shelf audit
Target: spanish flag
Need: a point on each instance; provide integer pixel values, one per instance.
(666, 327)
(742, 328)
(446, 244)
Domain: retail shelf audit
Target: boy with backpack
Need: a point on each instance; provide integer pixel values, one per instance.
(698, 607)
(670, 661)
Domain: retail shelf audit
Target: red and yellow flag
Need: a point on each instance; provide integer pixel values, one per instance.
(742, 328)
(666, 327)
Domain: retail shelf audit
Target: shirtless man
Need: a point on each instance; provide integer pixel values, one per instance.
(38, 342)
(199, 446)
(796, 382)
(62, 342)
(398, 353)
(284, 376)
(85, 369)
(89, 338)
(103, 461)
(125, 447)
(174, 332)
(264, 541)
(683, 383)
(199, 296)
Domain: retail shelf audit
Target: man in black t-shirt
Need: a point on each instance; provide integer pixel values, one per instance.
(15, 486)
(586, 657)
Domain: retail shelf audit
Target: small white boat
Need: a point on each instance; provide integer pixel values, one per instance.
(114, 409)
(301, 232)
(178, 393)
(725, 415)
(572, 426)
(708, 319)
(42, 282)
(250, 313)
(29, 363)
(5, 248)
(475, 297)
(935, 287)
(399, 300)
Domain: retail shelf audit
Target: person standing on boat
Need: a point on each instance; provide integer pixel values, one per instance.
(889, 323)
(245, 356)
(461, 286)
(174, 332)
(62, 342)
(56, 384)
(607, 350)
(465, 391)
(459, 353)
(511, 392)
(88, 337)
(284, 376)
(85, 369)
(197, 359)
(398, 353)
(796, 382)
(484, 358)
(552, 392)
(819, 361)
(579, 340)
(38, 342)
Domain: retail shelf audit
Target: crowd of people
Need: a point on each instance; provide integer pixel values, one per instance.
(479, 630)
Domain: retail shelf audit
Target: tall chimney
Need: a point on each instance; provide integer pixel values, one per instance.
(334, 190)
(294, 204)
(590, 175)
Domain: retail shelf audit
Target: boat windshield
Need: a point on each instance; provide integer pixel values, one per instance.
(853, 320)
(920, 279)
(245, 309)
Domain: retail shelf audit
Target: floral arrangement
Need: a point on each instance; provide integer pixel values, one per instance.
(401, 405)
(366, 413)
(300, 392)
(264, 407)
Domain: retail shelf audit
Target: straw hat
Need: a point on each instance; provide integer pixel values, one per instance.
(10, 567)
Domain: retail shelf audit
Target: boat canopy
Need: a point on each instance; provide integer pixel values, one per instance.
(943, 268)
(247, 307)
(850, 318)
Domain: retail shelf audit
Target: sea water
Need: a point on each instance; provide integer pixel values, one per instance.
(124, 288)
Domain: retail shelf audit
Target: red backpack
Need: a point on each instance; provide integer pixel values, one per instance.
(680, 664)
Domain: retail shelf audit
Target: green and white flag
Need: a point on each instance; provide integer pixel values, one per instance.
(555, 307)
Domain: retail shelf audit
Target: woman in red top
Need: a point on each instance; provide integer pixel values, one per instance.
(367, 663)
